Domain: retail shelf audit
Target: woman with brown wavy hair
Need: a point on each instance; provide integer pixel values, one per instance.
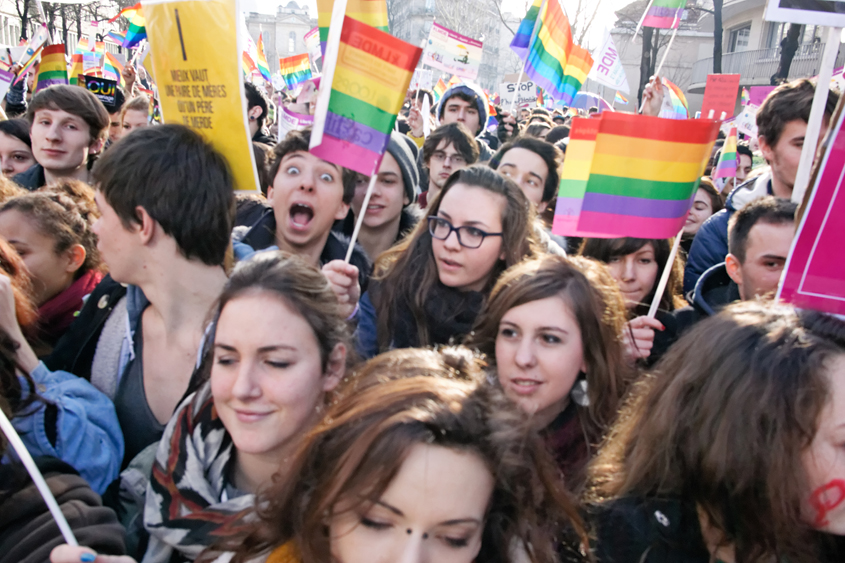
(552, 333)
(430, 288)
(732, 450)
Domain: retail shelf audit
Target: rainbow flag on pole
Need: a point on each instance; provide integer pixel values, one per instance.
(544, 41)
(295, 69)
(680, 108)
(726, 167)
(137, 25)
(574, 176)
(248, 65)
(745, 96)
(370, 12)
(439, 89)
(643, 173)
(371, 79)
(77, 67)
(620, 99)
(118, 37)
(665, 14)
(53, 67)
(263, 67)
(112, 69)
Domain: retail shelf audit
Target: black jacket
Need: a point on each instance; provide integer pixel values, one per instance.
(74, 352)
(714, 290)
(32, 179)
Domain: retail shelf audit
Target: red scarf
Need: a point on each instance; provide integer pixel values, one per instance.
(56, 315)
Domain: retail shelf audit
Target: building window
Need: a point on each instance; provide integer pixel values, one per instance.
(292, 42)
(429, 5)
(738, 38)
(776, 32)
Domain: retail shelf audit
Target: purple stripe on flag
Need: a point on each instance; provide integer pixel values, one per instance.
(568, 206)
(636, 207)
(345, 129)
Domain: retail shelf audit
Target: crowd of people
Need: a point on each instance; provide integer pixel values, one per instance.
(202, 376)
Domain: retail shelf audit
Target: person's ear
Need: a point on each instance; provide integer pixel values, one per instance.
(765, 149)
(734, 268)
(255, 112)
(342, 211)
(146, 224)
(75, 258)
(335, 368)
(96, 147)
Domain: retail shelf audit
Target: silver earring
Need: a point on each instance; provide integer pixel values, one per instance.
(579, 391)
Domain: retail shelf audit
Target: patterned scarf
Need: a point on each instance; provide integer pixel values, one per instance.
(185, 510)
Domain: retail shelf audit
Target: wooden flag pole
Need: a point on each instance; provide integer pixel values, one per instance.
(360, 219)
(37, 478)
(664, 278)
(642, 19)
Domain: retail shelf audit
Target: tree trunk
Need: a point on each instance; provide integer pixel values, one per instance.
(646, 62)
(788, 48)
(717, 36)
(64, 27)
(24, 16)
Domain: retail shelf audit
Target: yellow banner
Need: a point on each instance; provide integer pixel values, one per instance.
(197, 63)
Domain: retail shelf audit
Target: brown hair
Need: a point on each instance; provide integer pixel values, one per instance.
(408, 271)
(455, 134)
(64, 218)
(12, 266)
(594, 299)
(351, 458)
(716, 203)
(786, 103)
(76, 101)
(605, 249)
(723, 423)
(9, 189)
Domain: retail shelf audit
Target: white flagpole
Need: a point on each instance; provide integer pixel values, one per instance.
(664, 278)
(360, 219)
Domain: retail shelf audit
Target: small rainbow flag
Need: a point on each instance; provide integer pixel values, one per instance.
(28, 64)
(726, 167)
(263, 67)
(53, 67)
(574, 176)
(620, 99)
(112, 69)
(82, 45)
(746, 97)
(371, 80)
(680, 108)
(77, 67)
(137, 29)
(100, 47)
(439, 89)
(540, 101)
(370, 12)
(295, 69)
(454, 81)
(665, 14)
(118, 37)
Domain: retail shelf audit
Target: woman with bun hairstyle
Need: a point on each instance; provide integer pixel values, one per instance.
(552, 331)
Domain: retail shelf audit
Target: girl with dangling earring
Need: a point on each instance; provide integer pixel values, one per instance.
(552, 332)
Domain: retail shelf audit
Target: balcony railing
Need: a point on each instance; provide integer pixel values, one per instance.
(758, 66)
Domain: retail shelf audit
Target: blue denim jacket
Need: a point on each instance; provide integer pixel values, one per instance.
(87, 433)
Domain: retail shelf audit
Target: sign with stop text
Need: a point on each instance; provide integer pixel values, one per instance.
(527, 93)
(196, 54)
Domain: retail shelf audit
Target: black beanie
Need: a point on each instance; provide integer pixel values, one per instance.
(405, 151)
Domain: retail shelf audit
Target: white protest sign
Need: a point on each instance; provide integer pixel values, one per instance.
(607, 68)
(292, 121)
(422, 79)
(527, 93)
(830, 13)
(746, 122)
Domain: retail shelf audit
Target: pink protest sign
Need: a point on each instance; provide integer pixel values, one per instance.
(720, 95)
(814, 276)
(756, 94)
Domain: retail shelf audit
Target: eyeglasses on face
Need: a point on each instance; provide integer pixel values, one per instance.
(468, 237)
(455, 158)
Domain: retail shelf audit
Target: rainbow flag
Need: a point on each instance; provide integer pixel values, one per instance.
(643, 174)
(574, 176)
(439, 89)
(263, 67)
(137, 29)
(540, 101)
(370, 12)
(575, 72)
(620, 99)
(112, 69)
(680, 108)
(77, 67)
(248, 65)
(746, 97)
(544, 41)
(726, 167)
(117, 36)
(82, 46)
(53, 67)
(371, 79)
(30, 62)
(665, 14)
(100, 47)
(295, 69)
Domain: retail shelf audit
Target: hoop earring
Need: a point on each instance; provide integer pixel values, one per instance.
(579, 391)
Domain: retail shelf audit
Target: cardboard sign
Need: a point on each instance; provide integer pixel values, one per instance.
(813, 277)
(452, 52)
(103, 88)
(720, 95)
(197, 61)
(811, 12)
(527, 93)
(746, 121)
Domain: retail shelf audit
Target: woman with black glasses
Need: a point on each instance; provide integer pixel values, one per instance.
(429, 289)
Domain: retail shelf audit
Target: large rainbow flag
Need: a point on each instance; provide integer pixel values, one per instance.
(295, 69)
(371, 79)
(53, 67)
(137, 29)
(643, 174)
(726, 167)
(544, 41)
(263, 67)
(370, 12)
(665, 14)
(77, 67)
(574, 176)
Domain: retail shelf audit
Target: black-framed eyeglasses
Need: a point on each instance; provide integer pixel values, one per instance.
(468, 237)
